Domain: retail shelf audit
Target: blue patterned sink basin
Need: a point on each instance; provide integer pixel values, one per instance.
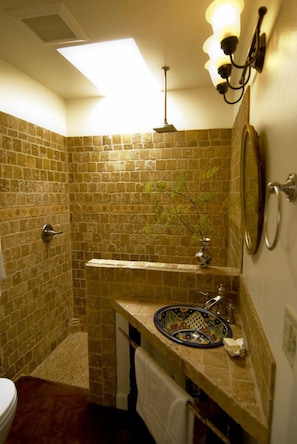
(192, 326)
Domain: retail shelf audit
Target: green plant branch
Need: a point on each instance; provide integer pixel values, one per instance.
(174, 211)
(184, 222)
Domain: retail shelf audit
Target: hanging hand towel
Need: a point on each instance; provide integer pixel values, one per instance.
(161, 403)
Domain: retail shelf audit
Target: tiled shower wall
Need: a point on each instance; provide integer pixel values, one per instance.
(36, 303)
(104, 179)
(110, 208)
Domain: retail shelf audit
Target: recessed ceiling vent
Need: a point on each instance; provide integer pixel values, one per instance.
(51, 23)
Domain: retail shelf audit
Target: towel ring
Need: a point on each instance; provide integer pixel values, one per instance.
(290, 189)
(273, 188)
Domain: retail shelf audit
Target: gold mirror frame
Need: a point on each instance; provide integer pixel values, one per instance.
(252, 196)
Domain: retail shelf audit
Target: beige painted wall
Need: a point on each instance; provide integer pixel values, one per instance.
(23, 97)
(187, 109)
(272, 275)
(26, 99)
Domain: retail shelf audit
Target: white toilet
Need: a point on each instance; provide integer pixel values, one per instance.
(8, 404)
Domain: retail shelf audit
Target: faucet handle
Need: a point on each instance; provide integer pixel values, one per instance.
(221, 290)
(205, 294)
(231, 310)
(221, 310)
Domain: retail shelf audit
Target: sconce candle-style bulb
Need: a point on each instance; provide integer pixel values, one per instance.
(224, 17)
(213, 48)
(214, 75)
(220, 60)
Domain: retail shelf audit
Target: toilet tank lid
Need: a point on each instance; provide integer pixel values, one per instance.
(7, 394)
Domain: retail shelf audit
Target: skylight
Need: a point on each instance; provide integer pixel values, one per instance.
(115, 67)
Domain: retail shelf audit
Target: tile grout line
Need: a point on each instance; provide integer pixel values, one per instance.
(68, 363)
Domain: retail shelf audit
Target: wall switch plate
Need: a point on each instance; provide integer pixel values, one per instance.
(290, 335)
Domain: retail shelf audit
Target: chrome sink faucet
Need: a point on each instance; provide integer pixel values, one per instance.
(218, 300)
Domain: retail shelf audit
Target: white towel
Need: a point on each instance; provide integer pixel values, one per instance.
(161, 403)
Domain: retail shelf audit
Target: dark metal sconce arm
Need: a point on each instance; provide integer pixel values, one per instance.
(256, 53)
(243, 81)
(236, 101)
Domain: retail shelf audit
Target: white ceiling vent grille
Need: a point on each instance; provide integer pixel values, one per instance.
(51, 23)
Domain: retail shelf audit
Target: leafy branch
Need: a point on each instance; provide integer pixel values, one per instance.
(176, 203)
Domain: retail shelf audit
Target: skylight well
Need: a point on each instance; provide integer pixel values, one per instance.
(115, 67)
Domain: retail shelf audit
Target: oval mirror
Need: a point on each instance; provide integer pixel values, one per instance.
(252, 197)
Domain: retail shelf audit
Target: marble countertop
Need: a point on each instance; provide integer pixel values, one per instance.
(230, 382)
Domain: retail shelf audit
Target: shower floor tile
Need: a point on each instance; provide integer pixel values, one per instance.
(68, 363)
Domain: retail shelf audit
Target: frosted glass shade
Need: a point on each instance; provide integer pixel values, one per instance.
(212, 47)
(213, 72)
(224, 17)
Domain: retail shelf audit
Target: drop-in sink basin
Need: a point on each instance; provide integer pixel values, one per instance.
(192, 326)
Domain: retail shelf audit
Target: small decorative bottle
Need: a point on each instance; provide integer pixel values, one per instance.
(203, 256)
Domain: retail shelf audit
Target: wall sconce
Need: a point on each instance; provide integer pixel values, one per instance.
(224, 17)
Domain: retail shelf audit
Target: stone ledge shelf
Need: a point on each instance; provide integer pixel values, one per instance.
(242, 387)
(228, 381)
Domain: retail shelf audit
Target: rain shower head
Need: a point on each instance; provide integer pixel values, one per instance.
(167, 127)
